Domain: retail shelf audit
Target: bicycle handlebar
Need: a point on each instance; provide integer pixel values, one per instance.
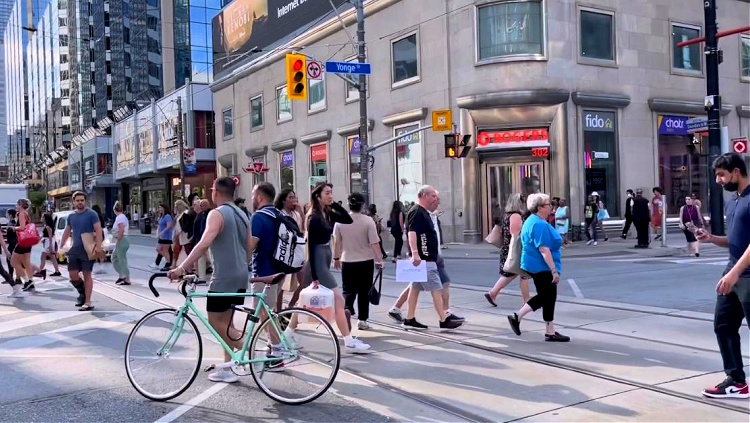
(182, 288)
(151, 282)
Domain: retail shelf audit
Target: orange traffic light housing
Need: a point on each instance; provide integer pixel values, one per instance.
(296, 77)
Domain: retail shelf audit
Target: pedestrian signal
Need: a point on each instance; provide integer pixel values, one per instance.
(296, 79)
(455, 149)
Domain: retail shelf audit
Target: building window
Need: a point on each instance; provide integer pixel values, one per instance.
(352, 92)
(686, 59)
(256, 112)
(408, 163)
(745, 57)
(683, 163)
(283, 105)
(318, 164)
(511, 30)
(259, 177)
(316, 95)
(600, 156)
(228, 123)
(286, 169)
(355, 174)
(597, 35)
(405, 60)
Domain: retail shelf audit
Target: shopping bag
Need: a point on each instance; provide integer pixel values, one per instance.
(28, 237)
(495, 237)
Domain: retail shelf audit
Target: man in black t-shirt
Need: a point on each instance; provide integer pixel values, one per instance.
(423, 242)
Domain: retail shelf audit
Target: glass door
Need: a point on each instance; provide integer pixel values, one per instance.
(500, 186)
(508, 178)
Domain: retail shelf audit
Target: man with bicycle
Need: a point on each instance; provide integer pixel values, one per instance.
(227, 236)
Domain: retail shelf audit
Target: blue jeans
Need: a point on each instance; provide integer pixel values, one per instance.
(591, 230)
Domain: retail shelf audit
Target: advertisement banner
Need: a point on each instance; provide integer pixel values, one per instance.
(319, 153)
(247, 25)
(287, 159)
(672, 125)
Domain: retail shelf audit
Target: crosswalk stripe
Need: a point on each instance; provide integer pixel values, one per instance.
(36, 319)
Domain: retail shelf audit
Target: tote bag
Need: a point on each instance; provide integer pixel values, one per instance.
(495, 237)
(513, 262)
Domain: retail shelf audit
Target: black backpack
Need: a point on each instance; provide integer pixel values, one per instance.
(288, 253)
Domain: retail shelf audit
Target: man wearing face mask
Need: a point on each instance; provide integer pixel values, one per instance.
(628, 213)
(733, 289)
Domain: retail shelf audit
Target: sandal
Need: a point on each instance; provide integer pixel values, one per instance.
(86, 308)
(124, 282)
(489, 299)
(119, 281)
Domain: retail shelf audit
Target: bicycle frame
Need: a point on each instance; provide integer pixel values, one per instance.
(238, 357)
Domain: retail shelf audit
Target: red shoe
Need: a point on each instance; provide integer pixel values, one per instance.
(728, 389)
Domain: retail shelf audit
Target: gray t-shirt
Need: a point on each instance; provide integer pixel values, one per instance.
(229, 251)
(80, 223)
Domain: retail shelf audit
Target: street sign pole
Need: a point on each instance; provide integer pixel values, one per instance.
(364, 164)
(713, 106)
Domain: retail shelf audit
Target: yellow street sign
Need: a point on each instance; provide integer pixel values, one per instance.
(442, 120)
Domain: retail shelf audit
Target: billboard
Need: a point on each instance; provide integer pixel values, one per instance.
(246, 25)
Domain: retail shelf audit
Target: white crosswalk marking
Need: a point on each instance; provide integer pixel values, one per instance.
(36, 319)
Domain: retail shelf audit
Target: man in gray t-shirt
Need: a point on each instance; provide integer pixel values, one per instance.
(83, 221)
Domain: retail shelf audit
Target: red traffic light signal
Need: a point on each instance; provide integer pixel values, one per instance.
(296, 78)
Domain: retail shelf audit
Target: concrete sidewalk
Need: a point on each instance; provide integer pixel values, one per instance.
(624, 363)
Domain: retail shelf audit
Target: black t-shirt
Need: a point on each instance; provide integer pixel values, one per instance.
(418, 220)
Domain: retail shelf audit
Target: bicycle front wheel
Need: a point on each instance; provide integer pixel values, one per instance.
(163, 354)
(308, 360)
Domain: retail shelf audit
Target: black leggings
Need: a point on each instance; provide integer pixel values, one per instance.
(546, 295)
(357, 279)
(399, 245)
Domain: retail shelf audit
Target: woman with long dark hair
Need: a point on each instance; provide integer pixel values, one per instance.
(397, 228)
(323, 214)
(50, 248)
(164, 234)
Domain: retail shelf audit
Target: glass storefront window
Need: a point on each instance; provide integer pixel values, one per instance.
(318, 163)
(684, 167)
(600, 157)
(259, 176)
(355, 175)
(408, 163)
(286, 169)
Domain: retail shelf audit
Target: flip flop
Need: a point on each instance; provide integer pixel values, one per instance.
(86, 308)
(489, 299)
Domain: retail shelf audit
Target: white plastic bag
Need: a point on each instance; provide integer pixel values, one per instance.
(318, 299)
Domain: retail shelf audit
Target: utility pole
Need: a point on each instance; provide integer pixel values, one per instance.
(364, 163)
(181, 145)
(713, 106)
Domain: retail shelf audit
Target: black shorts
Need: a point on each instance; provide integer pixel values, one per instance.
(222, 304)
(165, 241)
(22, 250)
(78, 260)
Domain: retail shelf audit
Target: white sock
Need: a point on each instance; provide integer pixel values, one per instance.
(394, 308)
(348, 339)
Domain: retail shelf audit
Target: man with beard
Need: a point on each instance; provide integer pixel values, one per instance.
(83, 221)
(733, 289)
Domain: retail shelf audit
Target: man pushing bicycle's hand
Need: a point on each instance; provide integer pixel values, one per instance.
(227, 238)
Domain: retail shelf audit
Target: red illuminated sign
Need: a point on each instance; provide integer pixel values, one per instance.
(319, 153)
(739, 145)
(540, 152)
(513, 139)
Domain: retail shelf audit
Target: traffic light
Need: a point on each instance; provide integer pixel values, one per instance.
(296, 77)
(455, 149)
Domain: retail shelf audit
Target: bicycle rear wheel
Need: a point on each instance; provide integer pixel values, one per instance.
(163, 354)
(306, 369)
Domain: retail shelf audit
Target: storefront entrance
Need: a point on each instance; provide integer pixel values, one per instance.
(501, 179)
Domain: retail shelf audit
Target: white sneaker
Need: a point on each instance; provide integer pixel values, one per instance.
(357, 347)
(291, 340)
(596, 243)
(589, 242)
(223, 375)
(363, 325)
(18, 292)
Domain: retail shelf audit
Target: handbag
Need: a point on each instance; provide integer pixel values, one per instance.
(513, 262)
(28, 237)
(603, 214)
(495, 236)
(374, 293)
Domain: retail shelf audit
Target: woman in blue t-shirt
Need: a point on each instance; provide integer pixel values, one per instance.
(540, 258)
(165, 233)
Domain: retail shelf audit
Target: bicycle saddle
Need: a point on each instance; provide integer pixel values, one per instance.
(269, 280)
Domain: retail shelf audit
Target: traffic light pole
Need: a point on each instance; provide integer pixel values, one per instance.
(364, 163)
(716, 202)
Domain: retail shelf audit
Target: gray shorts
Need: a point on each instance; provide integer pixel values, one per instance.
(433, 279)
(444, 278)
(271, 293)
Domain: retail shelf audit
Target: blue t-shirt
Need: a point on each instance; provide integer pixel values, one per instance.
(81, 223)
(737, 211)
(537, 233)
(163, 223)
(263, 228)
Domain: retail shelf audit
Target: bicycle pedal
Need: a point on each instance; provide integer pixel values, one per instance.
(209, 367)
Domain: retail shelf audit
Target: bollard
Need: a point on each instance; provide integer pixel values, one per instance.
(664, 221)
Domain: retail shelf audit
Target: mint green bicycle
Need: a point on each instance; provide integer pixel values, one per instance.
(293, 355)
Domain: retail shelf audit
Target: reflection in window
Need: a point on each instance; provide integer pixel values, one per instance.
(283, 105)
(355, 175)
(745, 57)
(259, 177)
(600, 160)
(228, 123)
(689, 57)
(316, 99)
(408, 163)
(405, 59)
(256, 112)
(286, 169)
(510, 28)
(597, 35)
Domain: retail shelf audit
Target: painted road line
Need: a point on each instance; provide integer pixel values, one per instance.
(184, 408)
(576, 289)
(36, 319)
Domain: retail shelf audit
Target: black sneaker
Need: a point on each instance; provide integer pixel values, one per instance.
(413, 324)
(396, 315)
(451, 322)
(456, 318)
(557, 337)
(515, 324)
(728, 389)
(28, 286)
(55, 274)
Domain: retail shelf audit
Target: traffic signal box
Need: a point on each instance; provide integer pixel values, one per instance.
(455, 149)
(296, 77)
